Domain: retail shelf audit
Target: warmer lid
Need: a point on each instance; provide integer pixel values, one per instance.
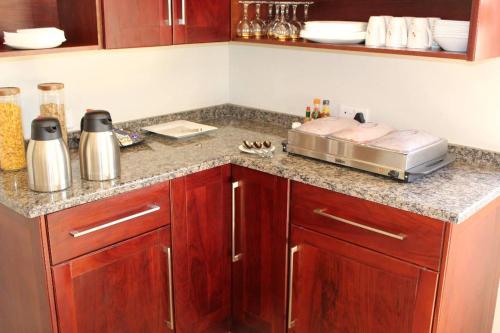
(97, 121)
(45, 129)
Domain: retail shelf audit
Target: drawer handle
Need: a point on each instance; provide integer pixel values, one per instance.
(182, 20)
(236, 257)
(168, 21)
(291, 322)
(171, 323)
(321, 212)
(80, 233)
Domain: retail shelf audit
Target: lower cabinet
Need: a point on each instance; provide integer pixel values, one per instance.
(201, 251)
(259, 229)
(340, 287)
(125, 287)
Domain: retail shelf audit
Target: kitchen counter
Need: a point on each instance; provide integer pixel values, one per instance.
(451, 194)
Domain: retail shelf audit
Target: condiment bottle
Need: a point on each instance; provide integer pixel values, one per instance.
(12, 150)
(308, 114)
(52, 104)
(325, 112)
(315, 114)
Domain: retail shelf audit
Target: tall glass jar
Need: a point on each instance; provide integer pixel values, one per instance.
(52, 104)
(12, 151)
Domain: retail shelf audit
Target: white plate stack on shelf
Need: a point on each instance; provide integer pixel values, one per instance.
(334, 32)
(34, 39)
(452, 36)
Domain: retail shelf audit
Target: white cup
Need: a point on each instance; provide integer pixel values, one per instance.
(408, 20)
(375, 33)
(397, 33)
(432, 24)
(387, 20)
(419, 35)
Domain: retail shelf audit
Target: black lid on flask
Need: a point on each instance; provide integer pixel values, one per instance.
(45, 129)
(96, 121)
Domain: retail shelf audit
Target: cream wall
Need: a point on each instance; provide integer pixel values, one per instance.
(131, 84)
(453, 99)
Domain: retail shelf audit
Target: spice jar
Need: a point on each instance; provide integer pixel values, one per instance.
(52, 104)
(12, 152)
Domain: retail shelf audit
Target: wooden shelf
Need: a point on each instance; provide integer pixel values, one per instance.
(356, 48)
(6, 51)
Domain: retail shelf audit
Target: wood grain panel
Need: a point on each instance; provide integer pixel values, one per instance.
(423, 240)
(340, 287)
(202, 262)
(64, 246)
(485, 30)
(123, 288)
(25, 295)
(259, 278)
(471, 273)
(206, 21)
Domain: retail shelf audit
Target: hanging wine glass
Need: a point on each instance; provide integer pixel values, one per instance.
(269, 18)
(272, 25)
(295, 24)
(244, 28)
(257, 25)
(306, 12)
(282, 28)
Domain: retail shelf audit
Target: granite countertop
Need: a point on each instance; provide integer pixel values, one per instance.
(451, 194)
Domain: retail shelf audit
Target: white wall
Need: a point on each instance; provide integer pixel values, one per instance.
(453, 99)
(131, 84)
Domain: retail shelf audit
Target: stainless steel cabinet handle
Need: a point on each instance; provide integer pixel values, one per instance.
(236, 257)
(80, 233)
(291, 322)
(170, 323)
(168, 21)
(182, 20)
(362, 226)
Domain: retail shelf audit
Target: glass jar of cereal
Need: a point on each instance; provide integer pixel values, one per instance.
(12, 152)
(52, 104)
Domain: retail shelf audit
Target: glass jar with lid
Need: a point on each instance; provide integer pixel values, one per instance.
(12, 150)
(52, 104)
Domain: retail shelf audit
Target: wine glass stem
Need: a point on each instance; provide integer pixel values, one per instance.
(306, 12)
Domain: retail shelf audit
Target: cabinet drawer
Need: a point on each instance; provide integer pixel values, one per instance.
(92, 226)
(395, 232)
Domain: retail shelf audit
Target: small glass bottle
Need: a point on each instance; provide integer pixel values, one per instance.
(308, 114)
(325, 112)
(12, 149)
(52, 104)
(316, 110)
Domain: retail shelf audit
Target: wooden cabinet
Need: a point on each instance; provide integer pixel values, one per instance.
(201, 251)
(260, 251)
(201, 21)
(80, 20)
(122, 288)
(483, 35)
(340, 287)
(132, 23)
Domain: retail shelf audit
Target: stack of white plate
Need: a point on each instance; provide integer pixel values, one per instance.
(452, 35)
(334, 32)
(33, 39)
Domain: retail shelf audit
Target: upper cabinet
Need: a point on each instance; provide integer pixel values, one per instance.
(484, 33)
(133, 23)
(80, 20)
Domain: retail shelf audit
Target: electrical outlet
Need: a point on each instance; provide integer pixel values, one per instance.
(346, 111)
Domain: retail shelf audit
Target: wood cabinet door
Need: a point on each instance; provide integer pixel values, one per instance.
(341, 287)
(201, 21)
(122, 288)
(202, 259)
(137, 23)
(260, 251)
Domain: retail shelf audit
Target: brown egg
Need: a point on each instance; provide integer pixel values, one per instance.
(247, 144)
(257, 145)
(267, 144)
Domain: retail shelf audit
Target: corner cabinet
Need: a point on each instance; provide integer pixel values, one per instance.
(259, 230)
(131, 23)
(201, 251)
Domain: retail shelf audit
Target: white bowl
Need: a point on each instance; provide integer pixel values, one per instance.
(345, 38)
(32, 39)
(452, 44)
